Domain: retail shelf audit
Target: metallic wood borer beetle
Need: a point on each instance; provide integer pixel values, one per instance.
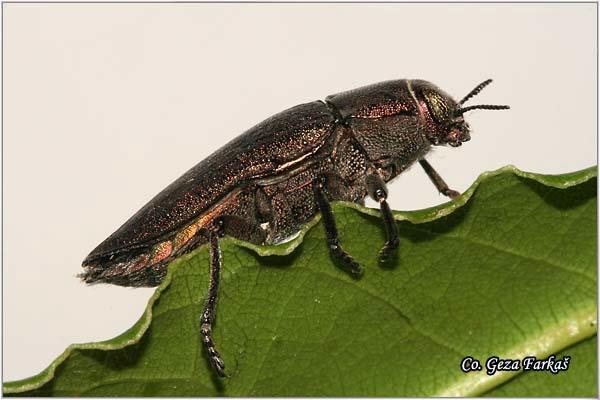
(265, 184)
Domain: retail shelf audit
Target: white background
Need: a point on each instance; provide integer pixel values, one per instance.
(106, 104)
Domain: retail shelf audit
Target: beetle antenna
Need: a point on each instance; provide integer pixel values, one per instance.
(461, 111)
(475, 91)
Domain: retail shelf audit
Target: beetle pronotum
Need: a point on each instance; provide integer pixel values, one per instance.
(266, 183)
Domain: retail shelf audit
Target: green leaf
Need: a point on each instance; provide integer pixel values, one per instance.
(508, 269)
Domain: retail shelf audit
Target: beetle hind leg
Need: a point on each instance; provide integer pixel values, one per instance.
(377, 190)
(336, 250)
(208, 315)
(239, 228)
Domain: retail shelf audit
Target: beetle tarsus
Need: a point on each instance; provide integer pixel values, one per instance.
(208, 315)
(437, 180)
(213, 355)
(347, 261)
(336, 250)
(452, 194)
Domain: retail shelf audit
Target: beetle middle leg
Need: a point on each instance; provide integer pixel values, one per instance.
(331, 231)
(378, 191)
(437, 180)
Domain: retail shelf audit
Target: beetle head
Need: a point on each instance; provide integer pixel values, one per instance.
(445, 115)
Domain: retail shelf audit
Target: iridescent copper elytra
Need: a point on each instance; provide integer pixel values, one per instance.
(264, 185)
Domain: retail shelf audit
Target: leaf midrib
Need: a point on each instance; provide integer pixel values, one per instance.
(478, 383)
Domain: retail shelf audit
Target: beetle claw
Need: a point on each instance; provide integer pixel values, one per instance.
(218, 366)
(355, 269)
(452, 194)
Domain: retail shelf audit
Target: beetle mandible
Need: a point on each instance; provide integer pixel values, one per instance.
(264, 185)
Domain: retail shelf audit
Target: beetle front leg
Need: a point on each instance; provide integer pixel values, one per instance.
(208, 315)
(331, 232)
(378, 191)
(437, 180)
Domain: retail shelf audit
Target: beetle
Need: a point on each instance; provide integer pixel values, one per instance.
(264, 185)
